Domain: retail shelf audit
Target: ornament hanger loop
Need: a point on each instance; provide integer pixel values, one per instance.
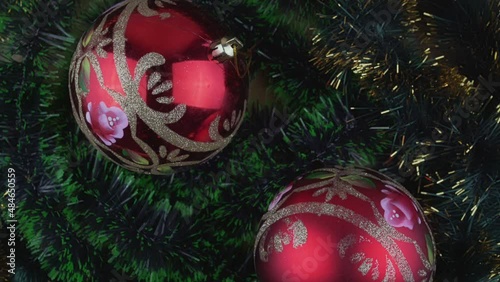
(225, 49)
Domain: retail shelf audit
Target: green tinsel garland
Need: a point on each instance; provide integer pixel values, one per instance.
(83, 218)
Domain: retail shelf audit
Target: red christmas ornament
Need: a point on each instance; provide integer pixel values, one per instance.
(344, 225)
(156, 85)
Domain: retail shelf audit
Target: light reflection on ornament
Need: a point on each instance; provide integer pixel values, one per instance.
(199, 84)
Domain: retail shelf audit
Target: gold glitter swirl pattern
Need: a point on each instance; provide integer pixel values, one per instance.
(345, 243)
(298, 234)
(422, 273)
(213, 131)
(336, 182)
(144, 9)
(390, 272)
(165, 86)
(233, 118)
(357, 257)
(146, 62)
(299, 231)
(375, 271)
(154, 78)
(165, 100)
(176, 114)
(381, 234)
(366, 266)
(263, 253)
(343, 187)
(278, 243)
(163, 151)
(226, 125)
(331, 191)
(160, 4)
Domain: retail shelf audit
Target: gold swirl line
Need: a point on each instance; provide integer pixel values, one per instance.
(349, 216)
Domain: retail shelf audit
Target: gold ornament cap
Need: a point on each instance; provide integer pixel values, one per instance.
(225, 49)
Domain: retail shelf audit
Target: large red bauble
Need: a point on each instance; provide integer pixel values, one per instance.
(344, 225)
(148, 87)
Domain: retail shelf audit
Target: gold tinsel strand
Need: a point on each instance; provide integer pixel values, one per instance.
(359, 33)
(454, 83)
(448, 42)
(385, 67)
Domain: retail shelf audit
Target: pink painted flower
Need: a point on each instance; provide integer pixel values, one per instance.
(107, 123)
(399, 209)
